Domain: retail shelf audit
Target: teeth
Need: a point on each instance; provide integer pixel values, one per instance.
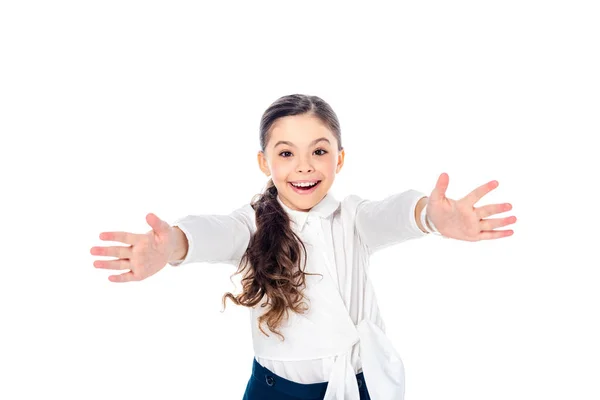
(304, 184)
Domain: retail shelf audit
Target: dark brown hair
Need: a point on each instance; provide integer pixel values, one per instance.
(273, 256)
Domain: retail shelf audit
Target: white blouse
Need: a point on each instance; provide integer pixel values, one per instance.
(342, 333)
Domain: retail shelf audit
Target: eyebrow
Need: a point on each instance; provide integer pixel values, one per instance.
(293, 145)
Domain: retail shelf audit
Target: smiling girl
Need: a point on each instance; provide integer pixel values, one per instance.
(304, 255)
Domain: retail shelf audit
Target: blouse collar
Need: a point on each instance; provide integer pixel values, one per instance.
(323, 209)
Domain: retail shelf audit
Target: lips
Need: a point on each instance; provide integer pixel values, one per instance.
(304, 191)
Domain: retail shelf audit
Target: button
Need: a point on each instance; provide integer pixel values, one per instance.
(360, 383)
(270, 380)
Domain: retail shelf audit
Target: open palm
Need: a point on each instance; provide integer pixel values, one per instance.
(145, 255)
(460, 219)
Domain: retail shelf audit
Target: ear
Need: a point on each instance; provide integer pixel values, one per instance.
(340, 162)
(262, 163)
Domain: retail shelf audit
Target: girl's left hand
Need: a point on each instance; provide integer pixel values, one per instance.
(459, 219)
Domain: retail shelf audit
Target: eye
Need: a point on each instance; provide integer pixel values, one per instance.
(288, 152)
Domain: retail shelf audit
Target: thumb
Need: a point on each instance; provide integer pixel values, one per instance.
(439, 192)
(157, 224)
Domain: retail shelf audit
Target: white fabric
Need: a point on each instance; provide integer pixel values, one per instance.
(342, 333)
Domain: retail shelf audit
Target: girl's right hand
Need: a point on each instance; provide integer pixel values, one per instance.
(146, 254)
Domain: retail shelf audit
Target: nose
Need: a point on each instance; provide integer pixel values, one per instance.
(304, 166)
(307, 169)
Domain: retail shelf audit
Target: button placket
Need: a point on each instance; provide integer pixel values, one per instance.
(316, 227)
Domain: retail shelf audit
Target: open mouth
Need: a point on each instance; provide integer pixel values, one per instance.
(305, 188)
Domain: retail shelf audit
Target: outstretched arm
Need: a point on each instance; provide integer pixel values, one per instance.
(213, 238)
(382, 223)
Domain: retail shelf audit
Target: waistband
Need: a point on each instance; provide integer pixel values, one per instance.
(290, 388)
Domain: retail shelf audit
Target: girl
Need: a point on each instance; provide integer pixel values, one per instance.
(304, 256)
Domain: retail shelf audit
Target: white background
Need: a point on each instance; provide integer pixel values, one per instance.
(111, 110)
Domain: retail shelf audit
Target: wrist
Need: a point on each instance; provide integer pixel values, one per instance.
(418, 214)
(427, 223)
(179, 245)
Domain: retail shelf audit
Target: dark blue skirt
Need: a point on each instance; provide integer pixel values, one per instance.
(265, 385)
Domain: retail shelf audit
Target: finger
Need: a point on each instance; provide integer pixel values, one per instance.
(491, 209)
(113, 264)
(126, 277)
(157, 224)
(481, 191)
(123, 237)
(112, 251)
(487, 235)
(439, 192)
(493, 223)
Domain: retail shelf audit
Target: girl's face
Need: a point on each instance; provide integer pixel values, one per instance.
(301, 149)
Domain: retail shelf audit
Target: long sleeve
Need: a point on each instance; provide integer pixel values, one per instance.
(217, 238)
(390, 221)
